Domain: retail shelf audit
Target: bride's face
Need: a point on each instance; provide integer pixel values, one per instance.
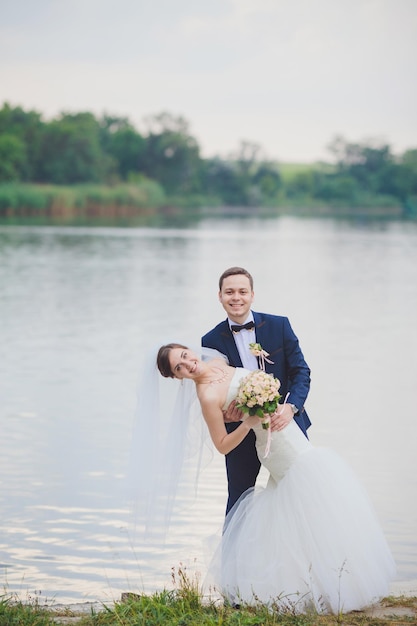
(184, 363)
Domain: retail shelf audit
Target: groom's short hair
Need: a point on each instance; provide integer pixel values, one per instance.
(233, 271)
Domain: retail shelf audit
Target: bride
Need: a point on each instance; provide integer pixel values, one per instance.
(310, 539)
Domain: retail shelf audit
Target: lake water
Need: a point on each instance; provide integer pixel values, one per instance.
(78, 309)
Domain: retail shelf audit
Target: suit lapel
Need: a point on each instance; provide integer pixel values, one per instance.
(230, 349)
(260, 329)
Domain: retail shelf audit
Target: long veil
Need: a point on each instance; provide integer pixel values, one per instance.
(170, 445)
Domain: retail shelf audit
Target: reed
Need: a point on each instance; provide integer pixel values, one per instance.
(79, 201)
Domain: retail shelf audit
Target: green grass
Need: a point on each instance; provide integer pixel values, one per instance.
(289, 171)
(186, 606)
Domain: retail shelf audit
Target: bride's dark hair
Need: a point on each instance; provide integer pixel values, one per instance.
(162, 360)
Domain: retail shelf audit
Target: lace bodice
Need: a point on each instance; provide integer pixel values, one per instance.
(286, 444)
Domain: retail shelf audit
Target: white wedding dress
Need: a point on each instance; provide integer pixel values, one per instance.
(310, 539)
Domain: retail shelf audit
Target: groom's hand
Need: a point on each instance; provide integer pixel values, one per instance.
(232, 413)
(282, 417)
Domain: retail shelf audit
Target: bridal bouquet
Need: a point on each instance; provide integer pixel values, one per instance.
(258, 394)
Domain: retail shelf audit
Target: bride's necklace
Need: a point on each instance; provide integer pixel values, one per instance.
(223, 377)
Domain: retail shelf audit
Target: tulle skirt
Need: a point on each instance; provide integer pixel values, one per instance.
(310, 541)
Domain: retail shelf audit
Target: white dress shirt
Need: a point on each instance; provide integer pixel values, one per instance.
(242, 340)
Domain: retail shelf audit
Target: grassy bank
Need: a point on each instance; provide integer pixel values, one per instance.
(145, 202)
(179, 609)
(80, 201)
(185, 606)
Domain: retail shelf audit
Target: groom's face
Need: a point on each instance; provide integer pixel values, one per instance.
(236, 297)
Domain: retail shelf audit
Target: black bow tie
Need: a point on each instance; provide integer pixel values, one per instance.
(248, 326)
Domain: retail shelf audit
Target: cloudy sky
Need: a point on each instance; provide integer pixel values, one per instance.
(286, 74)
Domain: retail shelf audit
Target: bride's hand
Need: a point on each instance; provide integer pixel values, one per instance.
(252, 421)
(232, 413)
(282, 417)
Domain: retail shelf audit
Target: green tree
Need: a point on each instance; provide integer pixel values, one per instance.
(71, 151)
(12, 157)
(171, 155)
(303, 183)
(221, 179)
(247, 158)
(124, 144)
(372, 165)
(268, 180)
(337, 188)
(27, 128)
(408, 172)
(246, 162)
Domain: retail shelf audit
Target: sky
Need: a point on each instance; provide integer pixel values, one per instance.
(288, 75)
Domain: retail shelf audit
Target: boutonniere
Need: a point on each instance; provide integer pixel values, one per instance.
(257, 350)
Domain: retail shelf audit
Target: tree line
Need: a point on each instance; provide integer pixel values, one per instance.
(81, 148)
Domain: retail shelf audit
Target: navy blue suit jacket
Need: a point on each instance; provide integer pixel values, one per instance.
(276, 336)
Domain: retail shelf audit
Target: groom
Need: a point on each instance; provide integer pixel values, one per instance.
(232, 338)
